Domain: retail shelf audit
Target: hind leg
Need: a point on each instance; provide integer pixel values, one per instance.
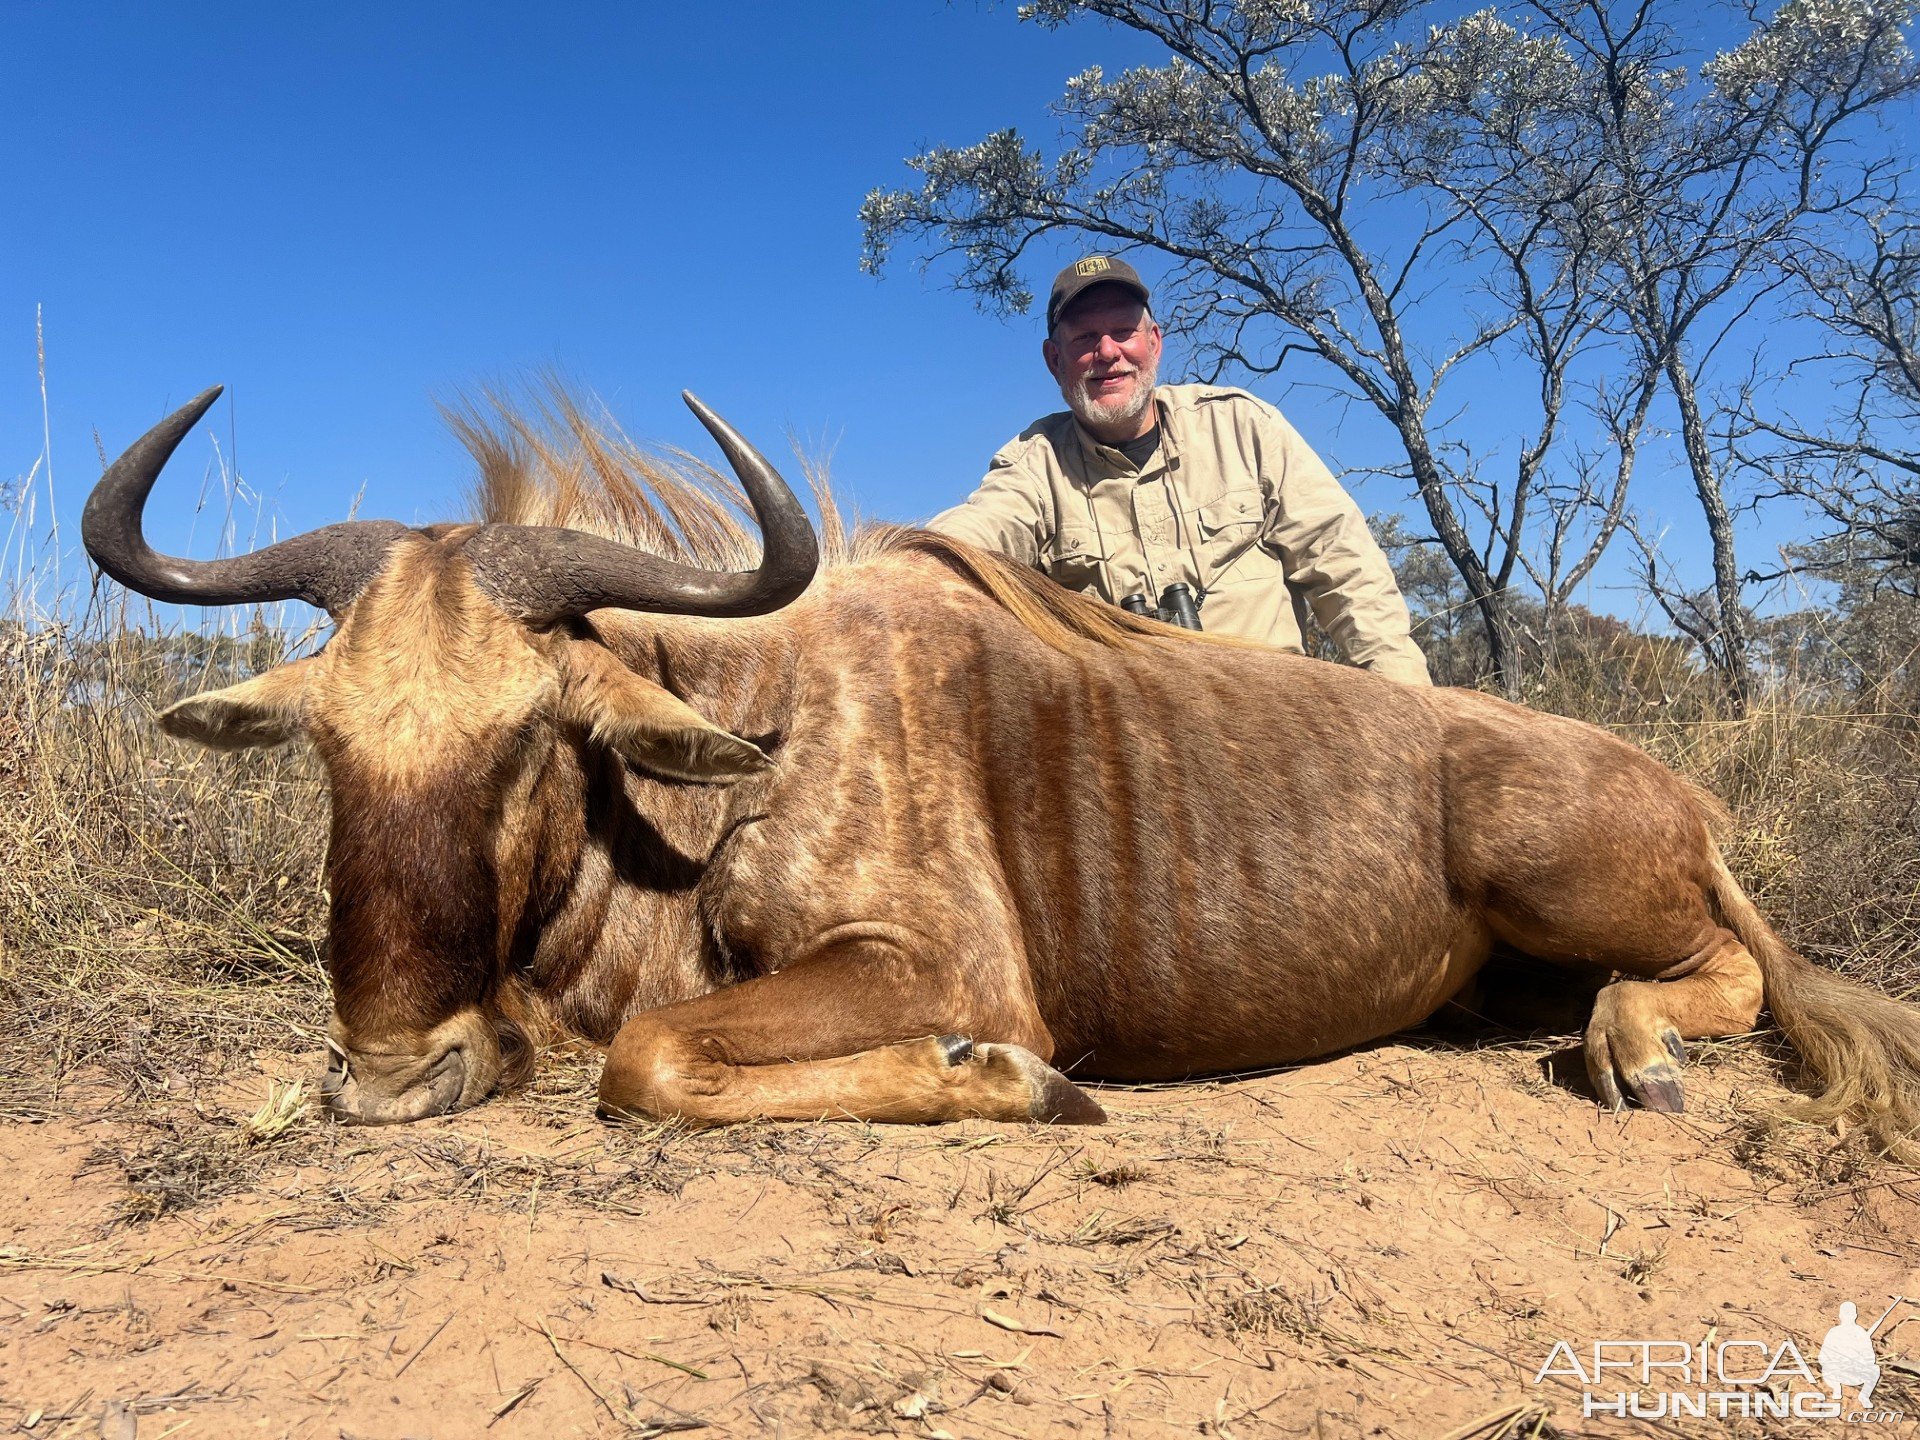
(1634, 1038)
(1580, 848)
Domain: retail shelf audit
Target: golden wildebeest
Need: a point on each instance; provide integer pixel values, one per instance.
(895, 840)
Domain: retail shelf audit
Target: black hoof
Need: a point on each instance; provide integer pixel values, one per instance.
(1658, 1088)
(1061, 1102)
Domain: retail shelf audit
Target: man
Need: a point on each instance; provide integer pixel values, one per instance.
(1140, 486)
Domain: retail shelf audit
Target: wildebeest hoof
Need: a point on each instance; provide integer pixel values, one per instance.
(1606, 1087)
(1657, 1087)
(1627, 1046)
(1056, 1099)
(1600, 1072)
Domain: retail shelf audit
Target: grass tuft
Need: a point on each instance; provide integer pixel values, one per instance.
(286, 1106)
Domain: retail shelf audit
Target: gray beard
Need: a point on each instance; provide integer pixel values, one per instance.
(1093, 413)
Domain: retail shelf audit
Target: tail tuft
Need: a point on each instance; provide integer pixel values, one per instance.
(1861, 1048)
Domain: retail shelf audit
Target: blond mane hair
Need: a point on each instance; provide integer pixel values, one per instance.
(1061, 618)
(548, 455)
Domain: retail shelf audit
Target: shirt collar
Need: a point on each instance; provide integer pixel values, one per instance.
(1093, 450)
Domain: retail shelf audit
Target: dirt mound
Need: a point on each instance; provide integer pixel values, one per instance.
(1388, 1243)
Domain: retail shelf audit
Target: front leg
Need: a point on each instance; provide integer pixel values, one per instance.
(857, 1031)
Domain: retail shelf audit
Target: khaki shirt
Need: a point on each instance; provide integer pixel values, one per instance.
(1233, 503)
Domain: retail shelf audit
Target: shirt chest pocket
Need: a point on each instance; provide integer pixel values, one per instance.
(1226, 528)
(1076, 557)
(1228, 511)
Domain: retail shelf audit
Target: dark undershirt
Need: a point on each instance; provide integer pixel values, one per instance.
(1142, 450)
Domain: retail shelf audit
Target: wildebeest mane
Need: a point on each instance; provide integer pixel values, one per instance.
(1061, 618)
(548, 455)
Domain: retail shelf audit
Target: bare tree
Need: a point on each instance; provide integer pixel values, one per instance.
(1301, 216)
(1698, 195)
(1501, 124)
(1858, 466)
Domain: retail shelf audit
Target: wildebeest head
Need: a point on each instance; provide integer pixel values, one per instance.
(453, 671)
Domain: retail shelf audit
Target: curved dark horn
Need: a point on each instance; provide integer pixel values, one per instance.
(547, 574)
(324, 567)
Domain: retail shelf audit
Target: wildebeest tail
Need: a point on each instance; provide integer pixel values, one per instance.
(1860, 1047)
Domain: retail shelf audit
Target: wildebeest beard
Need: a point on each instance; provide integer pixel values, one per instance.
(415, 925)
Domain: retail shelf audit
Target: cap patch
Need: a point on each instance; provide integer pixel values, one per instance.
(1093, 265)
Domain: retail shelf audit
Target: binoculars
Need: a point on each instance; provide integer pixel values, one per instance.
(1178, 606)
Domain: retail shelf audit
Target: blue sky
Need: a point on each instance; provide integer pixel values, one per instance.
(343, 212)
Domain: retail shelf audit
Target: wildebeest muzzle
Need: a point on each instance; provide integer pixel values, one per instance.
(454, 1065)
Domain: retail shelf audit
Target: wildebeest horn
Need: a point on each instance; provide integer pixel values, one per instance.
(547, 574)
(542, 573)
(324, 567)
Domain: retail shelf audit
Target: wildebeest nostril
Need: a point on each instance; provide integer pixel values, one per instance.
(446, 1080)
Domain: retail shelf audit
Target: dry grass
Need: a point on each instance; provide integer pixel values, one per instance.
(160, 910)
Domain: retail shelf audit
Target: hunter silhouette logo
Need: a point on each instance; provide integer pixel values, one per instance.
(1846, 1354)
(1093, 265)
(1723, 1378)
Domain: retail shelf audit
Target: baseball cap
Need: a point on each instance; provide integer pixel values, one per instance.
(1086, 273)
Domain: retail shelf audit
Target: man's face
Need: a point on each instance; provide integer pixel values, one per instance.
(1105, 354)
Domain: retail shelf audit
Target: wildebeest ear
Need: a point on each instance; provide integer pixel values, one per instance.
(651, 728)
(266, 710)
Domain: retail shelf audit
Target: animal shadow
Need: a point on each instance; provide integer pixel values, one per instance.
(1517, 997)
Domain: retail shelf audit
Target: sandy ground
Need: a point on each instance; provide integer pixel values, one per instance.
(1384, 1244)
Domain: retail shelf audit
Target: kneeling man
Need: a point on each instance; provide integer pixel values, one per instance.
(1140, 486)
